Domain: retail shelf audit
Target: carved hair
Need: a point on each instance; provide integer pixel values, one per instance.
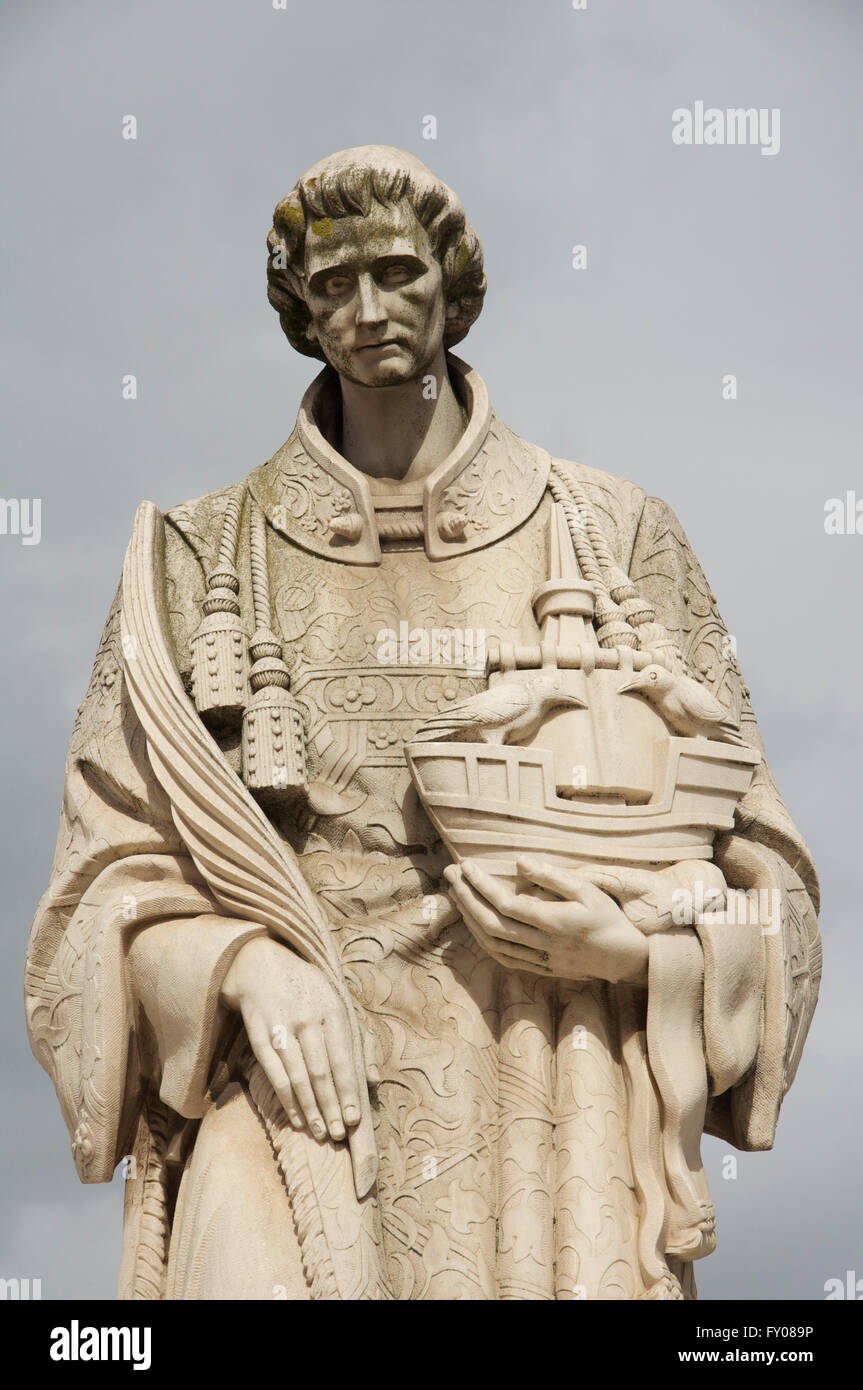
(340, 187)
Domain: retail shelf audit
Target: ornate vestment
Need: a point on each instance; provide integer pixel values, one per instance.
(509, 1167)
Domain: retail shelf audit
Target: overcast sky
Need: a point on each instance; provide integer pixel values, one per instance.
(555, 128)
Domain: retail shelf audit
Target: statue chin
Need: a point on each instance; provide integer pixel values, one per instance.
(389, 366)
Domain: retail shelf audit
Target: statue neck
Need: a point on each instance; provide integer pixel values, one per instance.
(393, 432)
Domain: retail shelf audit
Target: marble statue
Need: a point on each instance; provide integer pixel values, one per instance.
(422, 893)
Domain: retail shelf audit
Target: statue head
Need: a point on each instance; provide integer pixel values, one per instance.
(373, 265)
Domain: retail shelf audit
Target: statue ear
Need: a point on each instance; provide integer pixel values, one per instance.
(452, 310)
(311, 331)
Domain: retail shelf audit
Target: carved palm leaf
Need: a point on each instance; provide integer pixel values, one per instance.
(250, 870)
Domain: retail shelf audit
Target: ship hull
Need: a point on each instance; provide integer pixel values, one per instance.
(496, 802)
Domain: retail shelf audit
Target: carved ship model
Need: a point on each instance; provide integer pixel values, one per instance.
(609, 783)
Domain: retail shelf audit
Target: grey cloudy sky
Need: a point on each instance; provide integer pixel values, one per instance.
(554, 126)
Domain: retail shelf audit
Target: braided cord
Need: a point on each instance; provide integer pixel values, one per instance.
(613, 629)
(625, 618)
(231, 529)
(260, 570)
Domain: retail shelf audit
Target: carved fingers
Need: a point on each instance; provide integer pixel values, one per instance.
(572, 915)
(275, 1072)
(572, 885)
(512, 943)
(580, 934)
(622, 883)
(299, 1031)
(646, 895)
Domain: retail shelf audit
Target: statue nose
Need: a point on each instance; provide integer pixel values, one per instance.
(370, 309)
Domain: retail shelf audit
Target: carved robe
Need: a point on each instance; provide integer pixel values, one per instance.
(512, 1164)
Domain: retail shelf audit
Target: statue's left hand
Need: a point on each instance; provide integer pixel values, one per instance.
(583, 936)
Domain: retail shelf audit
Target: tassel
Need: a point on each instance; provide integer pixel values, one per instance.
(274, 745)
(220, 661)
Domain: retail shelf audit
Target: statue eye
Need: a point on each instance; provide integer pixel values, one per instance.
(338, 285)
(395, 275)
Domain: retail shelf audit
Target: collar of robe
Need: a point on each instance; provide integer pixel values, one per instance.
(488, 485)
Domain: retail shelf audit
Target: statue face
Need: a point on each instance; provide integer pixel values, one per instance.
(375, 295)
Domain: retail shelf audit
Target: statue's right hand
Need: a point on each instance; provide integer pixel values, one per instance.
(298, 1029)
